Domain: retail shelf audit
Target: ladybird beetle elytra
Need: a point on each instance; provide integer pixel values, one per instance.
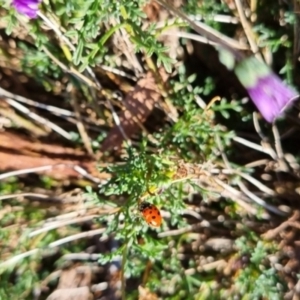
(150, 213)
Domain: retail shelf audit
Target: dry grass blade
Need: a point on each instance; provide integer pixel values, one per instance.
(15, 259)
(247, 29)
(203, 29)
(202, 39)
(39, 119)
(51, 108)
(14, 118)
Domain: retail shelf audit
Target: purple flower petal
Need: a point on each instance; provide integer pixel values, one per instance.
(268, 92)
(271, 96)
(27, 7)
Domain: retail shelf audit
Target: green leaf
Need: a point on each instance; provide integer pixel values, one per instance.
(226, 58)
(77, 57)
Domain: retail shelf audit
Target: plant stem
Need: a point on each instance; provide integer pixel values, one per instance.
(123, 282)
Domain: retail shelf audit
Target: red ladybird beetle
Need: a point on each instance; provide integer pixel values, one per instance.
(150, 213)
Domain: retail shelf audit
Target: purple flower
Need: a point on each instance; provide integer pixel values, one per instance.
(268, 92)
(27, 7)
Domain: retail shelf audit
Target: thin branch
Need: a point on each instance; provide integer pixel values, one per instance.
(77, 236)
(10, 196)
(76, 168)
(257, 163)
(54, 109)
(71, 70)
(216, 18)
(203, 29)
(123, 279)
(248, 30)
(55, 244)
(236, 196)
(254, 146)
(67, 42)
(61, 224)
(260, 202)
(79, 123)
(256, 183)
(38, 118)
(278, 146)
(202, 39)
